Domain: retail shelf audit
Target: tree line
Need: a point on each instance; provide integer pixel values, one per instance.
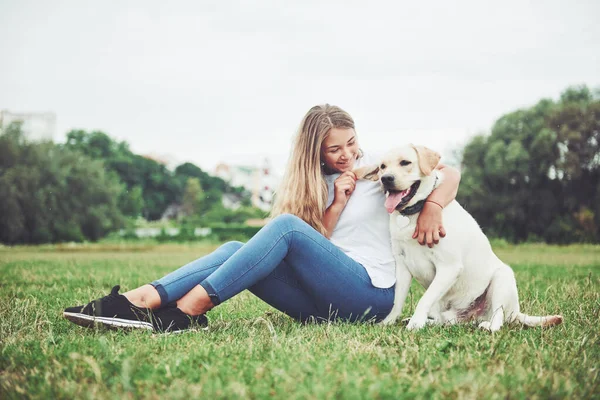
(92, 185)
(535, 177)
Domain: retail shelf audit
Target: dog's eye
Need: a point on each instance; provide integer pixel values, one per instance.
(404, 163)
(382, 166)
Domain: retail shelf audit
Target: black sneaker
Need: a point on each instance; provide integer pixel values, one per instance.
(113, 311)
(171, 319)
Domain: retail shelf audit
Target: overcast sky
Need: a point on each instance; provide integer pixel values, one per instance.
(210, 81)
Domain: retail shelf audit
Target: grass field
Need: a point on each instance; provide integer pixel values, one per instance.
(252, 351)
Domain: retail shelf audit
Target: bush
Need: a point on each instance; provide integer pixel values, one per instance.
(186, 234)
(227, 232)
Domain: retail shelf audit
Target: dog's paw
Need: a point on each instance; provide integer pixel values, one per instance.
(416, 323)
(486, 325)
(391, 318)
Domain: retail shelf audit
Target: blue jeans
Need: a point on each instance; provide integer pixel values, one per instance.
(290, 266)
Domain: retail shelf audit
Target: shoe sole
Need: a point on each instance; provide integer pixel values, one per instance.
(180, 331)
(113, 323)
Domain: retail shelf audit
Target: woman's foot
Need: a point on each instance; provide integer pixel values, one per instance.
(112, 311)
(171, 319)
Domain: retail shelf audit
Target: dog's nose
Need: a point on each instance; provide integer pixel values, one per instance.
(387, 179)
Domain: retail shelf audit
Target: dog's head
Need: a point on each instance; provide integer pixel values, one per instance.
(401, 172)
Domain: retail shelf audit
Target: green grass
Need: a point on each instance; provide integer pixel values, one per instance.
(253, 351)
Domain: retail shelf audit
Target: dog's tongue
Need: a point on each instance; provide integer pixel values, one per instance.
(393, 199)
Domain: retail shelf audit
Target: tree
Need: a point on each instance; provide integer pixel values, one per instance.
(213, 187)
(157, 184)
(131, 201)
(193, 197)
(537, 174)
(51, 194)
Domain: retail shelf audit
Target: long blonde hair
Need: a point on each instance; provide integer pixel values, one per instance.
(303, 190)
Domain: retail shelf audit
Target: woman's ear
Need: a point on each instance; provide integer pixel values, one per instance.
(369, 172)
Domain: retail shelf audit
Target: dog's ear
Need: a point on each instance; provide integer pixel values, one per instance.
(428, 159)
(368, 172)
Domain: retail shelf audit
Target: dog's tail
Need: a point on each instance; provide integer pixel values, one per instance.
(545, 321)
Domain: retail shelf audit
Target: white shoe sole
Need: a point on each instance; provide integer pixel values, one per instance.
(196, 328)
(88, 320)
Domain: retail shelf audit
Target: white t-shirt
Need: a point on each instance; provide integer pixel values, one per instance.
(362, 232)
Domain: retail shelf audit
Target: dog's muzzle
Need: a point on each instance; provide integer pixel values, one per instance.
(397, 199)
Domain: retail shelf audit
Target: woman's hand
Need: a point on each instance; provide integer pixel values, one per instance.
(429, 225)
(344, 186)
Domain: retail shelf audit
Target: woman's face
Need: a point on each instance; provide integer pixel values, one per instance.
(340, 149)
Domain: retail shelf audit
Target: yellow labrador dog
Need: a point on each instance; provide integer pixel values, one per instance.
(464, 279)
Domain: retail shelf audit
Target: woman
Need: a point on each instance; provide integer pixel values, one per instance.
(326, 254)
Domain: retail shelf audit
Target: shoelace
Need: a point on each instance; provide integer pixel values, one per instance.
(114, 295)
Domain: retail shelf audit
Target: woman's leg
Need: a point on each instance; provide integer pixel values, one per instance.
(131, 309)
(179, 282)
(280, 289)
(298, 299)
(324, 277)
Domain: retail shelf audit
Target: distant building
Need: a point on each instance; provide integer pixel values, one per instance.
(173, 211)
(260, 181)
(233, 201)
(35, 126)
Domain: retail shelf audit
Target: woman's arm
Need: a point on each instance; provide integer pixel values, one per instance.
(331, 217)
(446, 192)
(429, 224)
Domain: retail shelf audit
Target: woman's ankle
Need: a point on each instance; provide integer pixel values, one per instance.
(144, 297)
(195, 302)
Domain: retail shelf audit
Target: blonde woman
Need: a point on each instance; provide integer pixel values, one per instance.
(325, 255)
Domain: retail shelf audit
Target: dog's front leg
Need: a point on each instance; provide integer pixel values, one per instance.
(403, 279)
(444, 279)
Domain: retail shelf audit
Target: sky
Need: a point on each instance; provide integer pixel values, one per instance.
(229, 81)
